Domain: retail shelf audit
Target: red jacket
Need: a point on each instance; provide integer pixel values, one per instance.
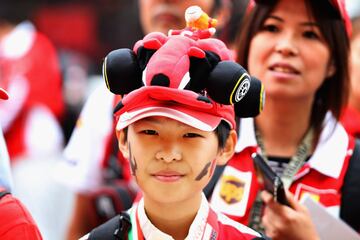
(15, 221)
(322, 176)
(351, 121)
(39, 66)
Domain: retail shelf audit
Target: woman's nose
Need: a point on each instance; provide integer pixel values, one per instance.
(287, 46)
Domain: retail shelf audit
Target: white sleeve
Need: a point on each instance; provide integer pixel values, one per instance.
(18, 91)
(5, 173)
(80, 168)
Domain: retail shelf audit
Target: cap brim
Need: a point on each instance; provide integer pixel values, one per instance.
(3, 94)
(181, 105)
(198, 120)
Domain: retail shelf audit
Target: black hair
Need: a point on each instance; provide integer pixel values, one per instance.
(229, 32)
(15, 11)
(222, 132)
(333, 93)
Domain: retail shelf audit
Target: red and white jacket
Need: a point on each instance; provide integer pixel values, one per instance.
(207, 225)
(30, 72)
(321, 176)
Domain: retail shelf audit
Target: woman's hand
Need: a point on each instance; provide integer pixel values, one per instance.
(283, 222)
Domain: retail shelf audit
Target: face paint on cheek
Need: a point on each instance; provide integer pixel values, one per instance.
(212, 167)
(203, 172)
(132, 160)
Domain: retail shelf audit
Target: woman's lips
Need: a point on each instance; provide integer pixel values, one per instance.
(284, 68)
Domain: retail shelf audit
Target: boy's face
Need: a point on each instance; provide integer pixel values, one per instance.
(171, 161)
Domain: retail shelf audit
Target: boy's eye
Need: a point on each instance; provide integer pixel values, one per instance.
(311, 35)
(270, 28)
(192, 135)
(149, 132)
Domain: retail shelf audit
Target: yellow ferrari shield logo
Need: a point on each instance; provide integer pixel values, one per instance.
(232, 189)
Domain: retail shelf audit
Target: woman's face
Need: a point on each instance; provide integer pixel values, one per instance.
(289, 54)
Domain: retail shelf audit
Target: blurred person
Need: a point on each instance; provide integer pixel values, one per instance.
(30, 73)
(299, 50)
(15, 222)
(351, 117)
(93, 166)
(5, 172)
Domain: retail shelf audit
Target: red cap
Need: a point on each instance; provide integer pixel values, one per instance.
(182, 105)
(167, 73)
(339, 6)
(3, 94)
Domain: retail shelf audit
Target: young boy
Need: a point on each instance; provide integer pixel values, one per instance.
(172, 158)
(173, 138)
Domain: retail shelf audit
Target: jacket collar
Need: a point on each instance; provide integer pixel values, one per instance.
(329, 154)
(196, 230)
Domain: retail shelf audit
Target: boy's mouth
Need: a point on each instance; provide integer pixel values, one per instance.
(168, 176)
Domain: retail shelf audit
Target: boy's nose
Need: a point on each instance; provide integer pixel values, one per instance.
(168, 155)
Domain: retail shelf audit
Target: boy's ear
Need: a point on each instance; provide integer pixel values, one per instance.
(229, 149)
(122, 142)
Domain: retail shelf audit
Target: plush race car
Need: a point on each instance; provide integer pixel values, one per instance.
(201, 68)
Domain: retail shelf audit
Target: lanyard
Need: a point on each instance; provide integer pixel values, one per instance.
(135, 233)
(296, 162)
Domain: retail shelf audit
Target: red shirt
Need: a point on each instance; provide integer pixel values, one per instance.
(15, 221)
(321, 176)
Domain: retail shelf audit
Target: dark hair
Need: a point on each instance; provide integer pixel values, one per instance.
(15, 11)
(333, 93)
(229, 31)
(222, 132)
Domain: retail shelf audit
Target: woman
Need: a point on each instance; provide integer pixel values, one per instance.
(299, 50)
